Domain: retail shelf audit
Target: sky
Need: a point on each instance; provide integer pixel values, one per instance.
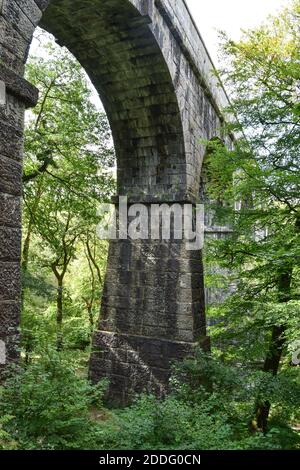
(230, 16)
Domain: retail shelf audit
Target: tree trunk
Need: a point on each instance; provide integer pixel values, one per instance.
(59, 314)
(271, 365)
(274, 354)
(27, 340)
(91, 319)
(26, 246)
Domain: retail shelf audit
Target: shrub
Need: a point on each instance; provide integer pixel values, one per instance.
(50, 405)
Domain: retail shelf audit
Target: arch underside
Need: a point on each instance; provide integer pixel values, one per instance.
(116, 47)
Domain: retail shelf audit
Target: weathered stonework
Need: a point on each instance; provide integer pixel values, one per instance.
(154, 77)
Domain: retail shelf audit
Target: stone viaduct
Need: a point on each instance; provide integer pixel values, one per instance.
(154, 76)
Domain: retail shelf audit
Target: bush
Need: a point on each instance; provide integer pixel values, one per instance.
(210, 406)
(167, 424)
(6, 441)
(50, 405)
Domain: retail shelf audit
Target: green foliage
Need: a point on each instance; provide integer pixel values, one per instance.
(169, 424)
(259, 185)
(53, 406)
(234, 388)
(207, 409)
(68, 155)
(50, 404)
(6, 441)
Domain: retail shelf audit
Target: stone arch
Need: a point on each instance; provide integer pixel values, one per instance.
(205, 177)
(115, 45)
(214, 229)
(152, 71)
(117, 48)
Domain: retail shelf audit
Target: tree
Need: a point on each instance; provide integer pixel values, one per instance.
(68, 144)
(259, 179)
